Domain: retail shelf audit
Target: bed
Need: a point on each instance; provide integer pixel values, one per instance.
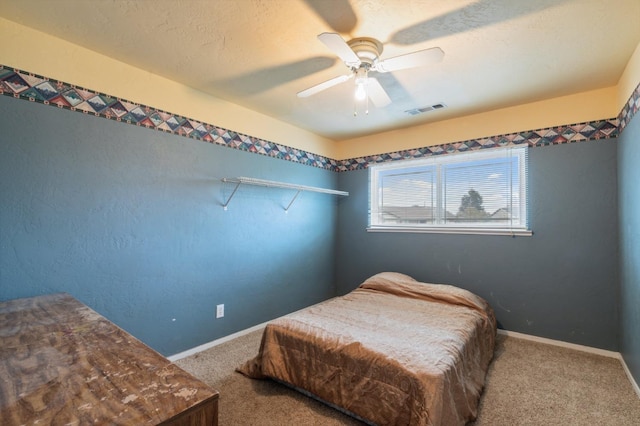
(394, 351)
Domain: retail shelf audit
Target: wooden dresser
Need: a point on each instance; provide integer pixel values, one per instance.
(61, 363)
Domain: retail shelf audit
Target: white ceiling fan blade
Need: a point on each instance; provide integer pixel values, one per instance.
(340, 47)
(377, 94)
(324, 85)
(411, 60)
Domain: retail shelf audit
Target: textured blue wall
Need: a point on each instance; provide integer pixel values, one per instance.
(629, 210)
(129, 221)
(561, 283)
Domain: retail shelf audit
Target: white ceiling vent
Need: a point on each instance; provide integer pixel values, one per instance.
(416, 111)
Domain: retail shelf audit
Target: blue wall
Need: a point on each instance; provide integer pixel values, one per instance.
(629, 210)
(561, 283)
(129, 221)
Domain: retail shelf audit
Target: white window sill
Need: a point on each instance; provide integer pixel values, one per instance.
(460, 230)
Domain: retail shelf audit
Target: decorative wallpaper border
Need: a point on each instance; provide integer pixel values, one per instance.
(35, 88)
(630, 109)
(602, 129)
(27, 86)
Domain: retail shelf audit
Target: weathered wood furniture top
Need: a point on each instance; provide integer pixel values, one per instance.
(61, 363)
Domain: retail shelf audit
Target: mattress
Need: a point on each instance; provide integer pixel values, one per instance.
(394, 351)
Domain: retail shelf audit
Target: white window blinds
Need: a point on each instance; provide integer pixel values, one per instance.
(482, 191)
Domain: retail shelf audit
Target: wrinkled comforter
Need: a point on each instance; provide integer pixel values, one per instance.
(394, 351)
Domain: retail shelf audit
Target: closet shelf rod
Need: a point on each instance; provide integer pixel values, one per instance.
(274, 184)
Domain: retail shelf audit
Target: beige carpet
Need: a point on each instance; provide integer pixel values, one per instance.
(528, 383)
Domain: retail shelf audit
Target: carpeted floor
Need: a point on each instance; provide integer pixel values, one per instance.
(528, 383)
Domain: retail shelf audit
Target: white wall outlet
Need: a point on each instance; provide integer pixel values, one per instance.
(219, 311)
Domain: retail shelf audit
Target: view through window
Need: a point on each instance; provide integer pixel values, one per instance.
(481, 191)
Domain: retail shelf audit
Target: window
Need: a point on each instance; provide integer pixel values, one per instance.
(477, 192)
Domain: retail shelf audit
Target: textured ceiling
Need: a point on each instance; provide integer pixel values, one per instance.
(260, 53)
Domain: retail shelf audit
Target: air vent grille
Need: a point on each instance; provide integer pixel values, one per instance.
(416, 111)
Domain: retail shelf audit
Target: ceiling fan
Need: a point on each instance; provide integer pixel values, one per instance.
(362, 56)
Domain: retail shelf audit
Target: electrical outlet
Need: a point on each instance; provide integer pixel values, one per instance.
(219, 311)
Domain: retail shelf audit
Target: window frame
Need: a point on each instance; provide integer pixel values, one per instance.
(520, 228)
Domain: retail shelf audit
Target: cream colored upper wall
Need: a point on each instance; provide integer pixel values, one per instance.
(39, 53)
(578, 108)
(630, 79)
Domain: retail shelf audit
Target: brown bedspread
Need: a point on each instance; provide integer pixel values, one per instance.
(394, 351)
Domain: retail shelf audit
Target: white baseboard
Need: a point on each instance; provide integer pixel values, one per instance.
(216, 342)
(634, 384)
(589, 349)
(603, 352)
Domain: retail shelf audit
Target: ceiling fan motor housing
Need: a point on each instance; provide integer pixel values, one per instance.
(367, 49)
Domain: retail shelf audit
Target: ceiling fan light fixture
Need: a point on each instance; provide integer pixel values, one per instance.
(361, 81)
(361, 92)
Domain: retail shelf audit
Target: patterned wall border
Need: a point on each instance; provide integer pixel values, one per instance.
(23, 85)
(593, 130)
(630, 109)
(35, 88)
